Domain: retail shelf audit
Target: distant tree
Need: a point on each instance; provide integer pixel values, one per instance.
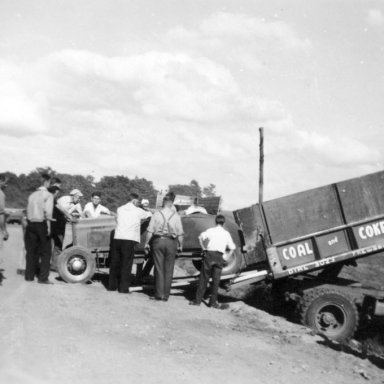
(116, 189)
(193, 189)
(209, 190)
(83, 183)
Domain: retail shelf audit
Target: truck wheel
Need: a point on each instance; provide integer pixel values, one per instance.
(231, 266)
(330, 313)
(76, 265)
(234, 264)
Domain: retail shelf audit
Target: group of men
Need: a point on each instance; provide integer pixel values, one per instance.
(47, 217)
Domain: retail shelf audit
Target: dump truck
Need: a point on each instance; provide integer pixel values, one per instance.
(303, 240)
(297, 243)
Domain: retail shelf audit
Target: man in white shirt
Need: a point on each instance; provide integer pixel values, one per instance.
(37, 242)
(215, 242)
(94, 209)
(127, 235)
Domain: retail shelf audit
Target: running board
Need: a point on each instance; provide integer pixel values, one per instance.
(243, 278)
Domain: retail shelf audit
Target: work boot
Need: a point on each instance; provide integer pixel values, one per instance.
(219, 306)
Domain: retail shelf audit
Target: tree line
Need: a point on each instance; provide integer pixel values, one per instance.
(114, 189)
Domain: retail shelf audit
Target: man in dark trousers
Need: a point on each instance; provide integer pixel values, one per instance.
(37, 241)
(3, 222)
(167, 232)
(127, 235)
(215, 243)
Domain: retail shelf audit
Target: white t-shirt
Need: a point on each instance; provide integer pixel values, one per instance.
(93, 212)
(217, 239)
(128, 222)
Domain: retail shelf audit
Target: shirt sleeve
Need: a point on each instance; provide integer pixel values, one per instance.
(76, 207)
(48, 206)
(144, 214)
(230, 244)
(2, 203)
(62, 203)
(203, 235)
(151, 226)
(104, 210)
(179, 226)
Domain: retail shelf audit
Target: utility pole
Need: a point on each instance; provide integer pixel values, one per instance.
(261, 165)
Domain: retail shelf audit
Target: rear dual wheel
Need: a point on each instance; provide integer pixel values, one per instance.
(330, 313)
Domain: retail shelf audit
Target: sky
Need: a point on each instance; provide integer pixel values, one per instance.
(175, 90)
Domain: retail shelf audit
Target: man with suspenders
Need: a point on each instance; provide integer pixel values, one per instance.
(166, 231)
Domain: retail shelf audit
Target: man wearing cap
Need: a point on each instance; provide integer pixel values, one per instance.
(94, 209)
(37, 243)
(166, 232)
(127, 235)
(67, 208)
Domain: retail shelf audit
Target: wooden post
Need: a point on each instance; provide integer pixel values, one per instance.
(261, 166)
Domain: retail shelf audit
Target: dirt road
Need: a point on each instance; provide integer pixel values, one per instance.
(67, 333)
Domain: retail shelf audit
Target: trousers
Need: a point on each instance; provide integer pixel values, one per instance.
(122, 254)
(212, 266)
(38, 247)
(164, 254)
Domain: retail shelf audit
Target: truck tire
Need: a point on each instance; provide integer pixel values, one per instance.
(231, 266)
(76, 265)
(330, 313)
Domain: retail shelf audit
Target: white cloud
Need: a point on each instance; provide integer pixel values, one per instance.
(375, 17)
(158, 84)
(244, 27)
(175, 114)
(21, 112)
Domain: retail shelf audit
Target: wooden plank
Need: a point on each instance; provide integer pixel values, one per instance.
(302, 213)
(362, 197)
(251, 224)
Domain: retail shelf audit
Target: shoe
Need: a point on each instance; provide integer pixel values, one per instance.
(194, 302)
(127, 292)
(20, 271)
(45, 282)
(164, 299)
(219, 306)
(155, 298)
(27, 279)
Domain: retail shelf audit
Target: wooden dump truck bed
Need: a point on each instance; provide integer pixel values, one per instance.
(319, 227)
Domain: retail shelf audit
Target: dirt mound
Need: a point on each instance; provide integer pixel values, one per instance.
(67, 333)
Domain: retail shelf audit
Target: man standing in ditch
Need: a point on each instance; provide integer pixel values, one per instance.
(166, 231)
(127, 235)
(214, 242)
